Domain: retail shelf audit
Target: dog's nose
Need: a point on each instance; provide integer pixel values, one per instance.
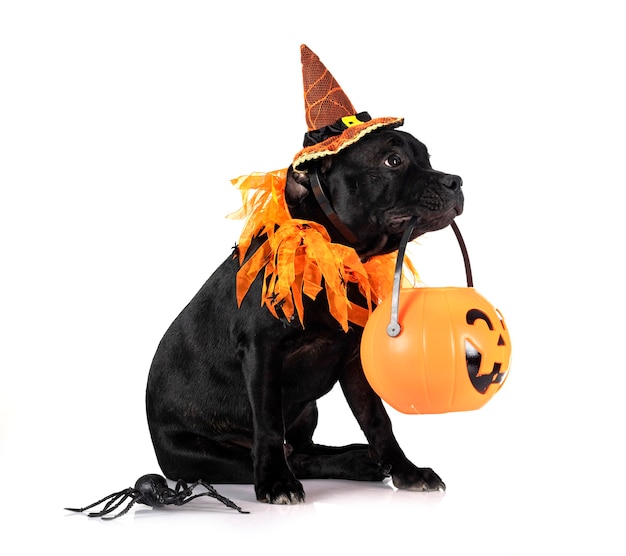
(451, 181)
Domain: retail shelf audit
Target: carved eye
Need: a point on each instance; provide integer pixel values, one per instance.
(393, 160)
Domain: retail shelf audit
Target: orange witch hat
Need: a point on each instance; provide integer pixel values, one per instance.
(332, 121)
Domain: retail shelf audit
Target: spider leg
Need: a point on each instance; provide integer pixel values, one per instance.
(184, 493)
(115, 495)
(183, 490)
(213, 494)
(113, 504)
(110, 505)
(134, 500)
(182, 486)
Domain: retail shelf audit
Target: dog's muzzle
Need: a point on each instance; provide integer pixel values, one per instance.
(444, 195)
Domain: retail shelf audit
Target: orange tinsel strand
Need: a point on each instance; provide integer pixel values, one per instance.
(299, 258)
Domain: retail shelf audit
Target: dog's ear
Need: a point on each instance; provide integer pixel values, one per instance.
(297, 187)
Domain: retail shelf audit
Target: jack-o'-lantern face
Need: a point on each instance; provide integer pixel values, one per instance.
(452, 353)
(487, 350)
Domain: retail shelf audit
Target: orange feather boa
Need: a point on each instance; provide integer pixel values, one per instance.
(299, 257)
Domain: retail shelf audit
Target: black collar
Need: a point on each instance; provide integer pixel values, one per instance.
(325, 205)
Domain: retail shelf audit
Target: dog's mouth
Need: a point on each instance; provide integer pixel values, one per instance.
(395, 223)
(434, 210)
(427, 220)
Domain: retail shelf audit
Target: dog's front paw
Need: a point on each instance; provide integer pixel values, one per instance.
(421, 479)
(286, 491)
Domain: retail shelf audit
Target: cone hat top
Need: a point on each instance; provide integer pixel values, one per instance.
(332, 121)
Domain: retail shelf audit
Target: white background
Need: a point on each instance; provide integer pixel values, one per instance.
(121, 124)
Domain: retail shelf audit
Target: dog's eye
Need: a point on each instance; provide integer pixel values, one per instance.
(393, 160)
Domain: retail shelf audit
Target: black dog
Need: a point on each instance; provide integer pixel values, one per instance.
(231, 395)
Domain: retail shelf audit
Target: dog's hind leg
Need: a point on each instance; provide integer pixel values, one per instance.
(192, 457)
(322, 450)
(347, 462)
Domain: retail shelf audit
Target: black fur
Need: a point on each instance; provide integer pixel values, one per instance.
(231, 395)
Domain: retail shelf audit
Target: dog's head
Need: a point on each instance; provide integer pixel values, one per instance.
(374, 188)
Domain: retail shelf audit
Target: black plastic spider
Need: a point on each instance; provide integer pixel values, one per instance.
(152, 490)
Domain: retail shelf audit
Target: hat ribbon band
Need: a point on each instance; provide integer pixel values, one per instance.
(316, 136)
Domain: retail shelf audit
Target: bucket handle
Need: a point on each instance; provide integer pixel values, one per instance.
(394, 328)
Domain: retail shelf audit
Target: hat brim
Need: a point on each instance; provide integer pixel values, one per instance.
(351, 135)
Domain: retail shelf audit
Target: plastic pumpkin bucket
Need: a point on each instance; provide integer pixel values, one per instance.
(435, 350)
